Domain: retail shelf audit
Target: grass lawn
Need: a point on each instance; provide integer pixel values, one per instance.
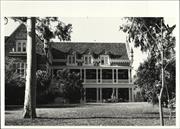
(106, 114)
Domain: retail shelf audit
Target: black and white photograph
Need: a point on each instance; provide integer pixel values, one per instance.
(89, 70)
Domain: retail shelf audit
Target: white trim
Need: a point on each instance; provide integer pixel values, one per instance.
(90, 67)
(119, 61)
(21, 42)
(122, 85)
(71, 63)
(103, 57)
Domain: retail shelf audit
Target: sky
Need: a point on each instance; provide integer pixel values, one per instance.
(96, 29)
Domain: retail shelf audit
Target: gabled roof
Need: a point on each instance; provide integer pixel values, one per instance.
(60, 49)
(115, 50)
(22, 29)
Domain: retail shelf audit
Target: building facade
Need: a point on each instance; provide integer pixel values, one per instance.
(105, 68)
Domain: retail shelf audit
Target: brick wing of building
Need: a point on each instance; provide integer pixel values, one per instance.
(105, 68)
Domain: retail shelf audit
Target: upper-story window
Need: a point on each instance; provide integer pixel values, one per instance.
(71, 60)
(104, 59)
(88, 60)
(21, 46)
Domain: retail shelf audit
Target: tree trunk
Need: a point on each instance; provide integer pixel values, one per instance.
(30, 90)
(160, 97)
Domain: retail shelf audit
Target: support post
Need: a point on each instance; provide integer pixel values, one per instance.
(100, 94)
(97, 95)
(112, 75)
(129, 94)
(100, 75)
(117, 81)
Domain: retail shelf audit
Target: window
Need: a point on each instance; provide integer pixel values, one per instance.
(87, 59)
(90, 73)
(106, 73)
(21, 46)
(71, 60)
(21, 68)
(104, 59)
(122, 74)
(24, 47)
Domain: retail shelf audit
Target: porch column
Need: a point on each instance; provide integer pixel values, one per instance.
(100, 75)
(112, 75)
(116, 94)
(129, 94)
(97, 95)
(100, 94)
(81, 74)
(117, 81)
(129, 76)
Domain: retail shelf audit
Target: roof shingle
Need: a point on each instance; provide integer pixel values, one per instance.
(115, 50)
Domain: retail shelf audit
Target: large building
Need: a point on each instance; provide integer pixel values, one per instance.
(105, 68)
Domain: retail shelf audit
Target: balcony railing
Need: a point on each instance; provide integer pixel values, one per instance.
(123, 81)
(107, 81)
(90, 80)
(110, 81)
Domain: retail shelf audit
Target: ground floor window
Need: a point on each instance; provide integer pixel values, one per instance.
(21, 69)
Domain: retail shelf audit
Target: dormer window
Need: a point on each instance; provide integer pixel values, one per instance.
(104, 59)
(88, 60)
(21, 46)
(71, 59)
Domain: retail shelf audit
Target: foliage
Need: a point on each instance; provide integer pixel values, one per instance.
(14, 85)
(50, 27)
(149, 80)
(71, 85)
(152, 35)
(43, 86)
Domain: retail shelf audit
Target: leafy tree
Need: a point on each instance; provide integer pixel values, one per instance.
(152, 35)
(41, 25)
(147, 75)
(71, 85)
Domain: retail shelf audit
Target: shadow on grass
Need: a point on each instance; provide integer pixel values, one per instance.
(69, 105)
(7, 113)
(96, 117)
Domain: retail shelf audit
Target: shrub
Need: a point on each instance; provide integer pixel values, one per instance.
(14, 85)
(71, 85)
(43, 93)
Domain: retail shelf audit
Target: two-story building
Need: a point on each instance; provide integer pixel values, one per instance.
(105, 68)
